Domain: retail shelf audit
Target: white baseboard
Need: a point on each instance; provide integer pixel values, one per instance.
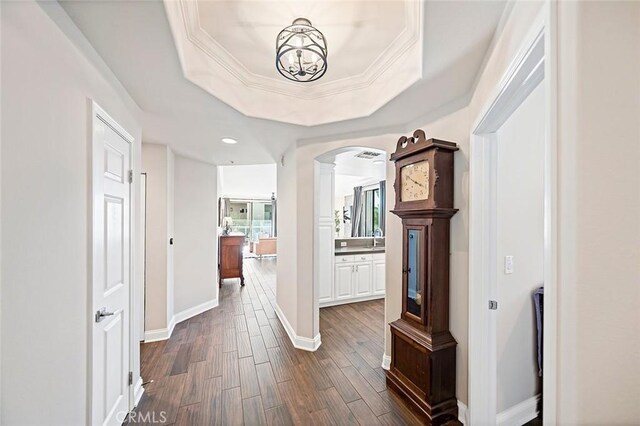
(299, 342)
(161, 333)
(520, 413)
(196, 310)
(386, 362)
(138, 390)
(462, 413)
(165, 333)
(352, 300)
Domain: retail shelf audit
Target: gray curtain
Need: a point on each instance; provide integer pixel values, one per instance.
(383, 205)
(356, 213)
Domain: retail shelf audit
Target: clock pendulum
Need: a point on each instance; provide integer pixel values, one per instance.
(423, 351)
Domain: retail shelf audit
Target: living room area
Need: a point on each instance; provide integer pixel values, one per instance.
(248, 207)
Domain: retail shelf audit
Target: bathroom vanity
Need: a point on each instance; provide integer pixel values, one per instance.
(358, 272)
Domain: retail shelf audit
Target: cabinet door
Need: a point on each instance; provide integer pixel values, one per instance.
(363, 279)
(343, 280)
(378, 277)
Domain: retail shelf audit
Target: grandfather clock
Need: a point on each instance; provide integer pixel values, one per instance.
(423, 351)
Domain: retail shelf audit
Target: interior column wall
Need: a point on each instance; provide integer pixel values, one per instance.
(286, 272)
(196, 242)
(599, 211)
(156, 161)
(170, 266)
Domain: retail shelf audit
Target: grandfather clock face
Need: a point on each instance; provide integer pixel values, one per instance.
(414, 181)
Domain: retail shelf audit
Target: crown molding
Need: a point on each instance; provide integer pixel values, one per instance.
(206, 63)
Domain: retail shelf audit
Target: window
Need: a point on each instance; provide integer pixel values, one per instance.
(371, 211)
(251, 217)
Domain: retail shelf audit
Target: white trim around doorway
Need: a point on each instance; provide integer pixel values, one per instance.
(135, 392)
(533, 65)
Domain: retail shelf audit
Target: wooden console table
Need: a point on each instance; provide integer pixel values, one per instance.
(230, 257)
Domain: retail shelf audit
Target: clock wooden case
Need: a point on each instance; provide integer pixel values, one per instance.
(423, 351)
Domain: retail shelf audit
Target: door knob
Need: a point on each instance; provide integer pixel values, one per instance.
(102, 314)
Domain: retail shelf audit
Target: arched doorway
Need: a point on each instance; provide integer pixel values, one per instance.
(349, 211)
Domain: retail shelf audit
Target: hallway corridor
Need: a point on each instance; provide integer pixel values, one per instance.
(235, 365)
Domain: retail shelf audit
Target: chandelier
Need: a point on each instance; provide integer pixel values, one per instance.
(301, 52)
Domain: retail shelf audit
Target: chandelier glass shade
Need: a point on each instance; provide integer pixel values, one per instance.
(301, 52)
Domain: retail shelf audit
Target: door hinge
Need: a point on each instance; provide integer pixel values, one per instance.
(130, 176)
(130, 378)
(493, 305)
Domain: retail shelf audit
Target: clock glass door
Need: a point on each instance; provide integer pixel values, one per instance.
(414, 290)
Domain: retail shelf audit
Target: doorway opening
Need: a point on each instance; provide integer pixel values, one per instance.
(349, 246)
(512, 245)
(247, 213)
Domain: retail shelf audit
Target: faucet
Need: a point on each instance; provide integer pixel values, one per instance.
(377, 233)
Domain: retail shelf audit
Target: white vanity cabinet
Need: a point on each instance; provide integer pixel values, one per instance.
(343, 281)
(357, 277)
(378, 275)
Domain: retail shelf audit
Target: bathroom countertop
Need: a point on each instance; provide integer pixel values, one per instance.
(358, 250)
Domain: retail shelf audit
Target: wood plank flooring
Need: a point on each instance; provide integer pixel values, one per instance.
(235, 365)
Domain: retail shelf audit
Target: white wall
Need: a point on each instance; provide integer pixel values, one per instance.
(170, 233)
(196, 240)
(599, 212)
(46, 83)
(286, 273)
(252, 181)
(155, 163)
(520, 233)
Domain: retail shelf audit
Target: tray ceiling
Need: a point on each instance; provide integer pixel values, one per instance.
(228, 49)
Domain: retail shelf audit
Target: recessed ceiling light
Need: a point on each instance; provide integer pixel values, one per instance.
(230, 141)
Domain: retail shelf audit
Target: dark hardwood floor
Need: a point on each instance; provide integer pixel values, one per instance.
(235, 365)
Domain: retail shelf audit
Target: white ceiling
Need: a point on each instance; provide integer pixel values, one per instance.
(351, 170)
(228, 49)
(134, 39)
(355, 30)
(348, 164)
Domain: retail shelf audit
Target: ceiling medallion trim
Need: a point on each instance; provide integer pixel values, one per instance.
(215, 70)
(411, 34)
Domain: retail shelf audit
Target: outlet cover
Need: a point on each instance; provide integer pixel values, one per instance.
(508, 264)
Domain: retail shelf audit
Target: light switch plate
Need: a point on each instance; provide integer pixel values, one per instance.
(343, 243)
(508, 264)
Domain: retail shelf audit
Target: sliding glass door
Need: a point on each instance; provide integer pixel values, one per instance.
(253, 218)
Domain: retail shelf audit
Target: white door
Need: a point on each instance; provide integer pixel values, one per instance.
(363, 279)
(111, 271)
(343, 279)
(378, 277)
